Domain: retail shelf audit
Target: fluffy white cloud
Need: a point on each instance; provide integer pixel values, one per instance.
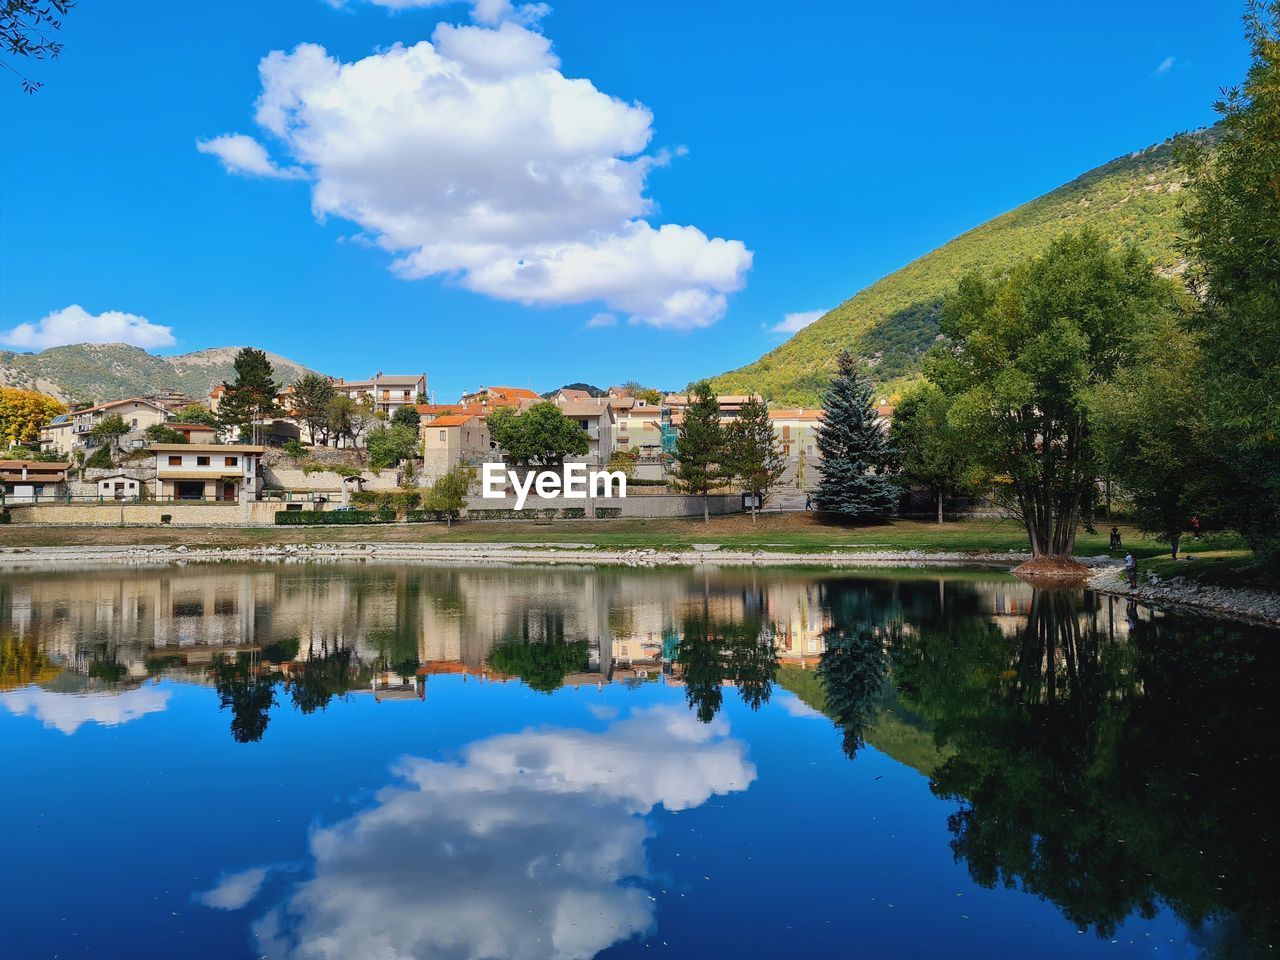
(602, 320)
(1165, 66)
(67, 712)
(473, 157)
(793, 322)
(531, 847)
(245, 155)
(74, 324)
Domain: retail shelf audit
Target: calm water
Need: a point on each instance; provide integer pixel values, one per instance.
(328, 762)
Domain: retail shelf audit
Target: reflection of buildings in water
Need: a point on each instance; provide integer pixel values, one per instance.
(166, 621)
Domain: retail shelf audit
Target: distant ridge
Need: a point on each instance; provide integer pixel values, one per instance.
(106, 371)
(894, 321)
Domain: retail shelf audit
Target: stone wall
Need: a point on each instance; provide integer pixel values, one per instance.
(111, 514)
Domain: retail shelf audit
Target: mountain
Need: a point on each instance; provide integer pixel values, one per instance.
(108, 371)
(894, 321)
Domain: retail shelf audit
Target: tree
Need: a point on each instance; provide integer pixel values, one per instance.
(931, 453)
(1232, 225)
(197, 413)
(448, 495)
(110, 430)
(856, 457)
(541, 435)
(389, 445)
(24, 412)
(100, 459)
(1024, 353)
(163, 433)
(407, 417)
(754, 456)
(26, 31)
(641, 392)
(1153, 429)
(341, 416)
(700, 446)
(252, 397)
(312, 395)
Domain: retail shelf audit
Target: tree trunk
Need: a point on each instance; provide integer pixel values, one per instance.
(706, 509)
(939, 505)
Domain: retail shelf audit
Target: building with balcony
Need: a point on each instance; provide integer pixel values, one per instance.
(227, 472)
(387, 393)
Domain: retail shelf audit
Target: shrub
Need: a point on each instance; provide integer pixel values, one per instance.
(4, 517)
(294, 449)
(305, 518)
(100, 459)
(608, 513)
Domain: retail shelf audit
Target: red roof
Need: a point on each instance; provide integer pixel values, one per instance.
(452, 420)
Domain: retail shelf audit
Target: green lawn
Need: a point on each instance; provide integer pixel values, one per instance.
(778, 532)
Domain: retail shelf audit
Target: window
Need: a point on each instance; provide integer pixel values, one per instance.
(134, 423)
(202, 461)
(175, 461)
(231, 461)
(442, 436)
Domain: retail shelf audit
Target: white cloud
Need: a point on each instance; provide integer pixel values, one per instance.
(530, 848)
(793, 322)
(602, 320)
(482, 11)
(234, 891)
(1165, 66)
(74, 324)
(473, 157)
(245, 155)
(67, 712)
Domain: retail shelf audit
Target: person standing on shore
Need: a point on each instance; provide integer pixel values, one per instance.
(1115, 538)
(1131, 570)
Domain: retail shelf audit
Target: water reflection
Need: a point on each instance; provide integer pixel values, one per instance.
(531, 846)
(1101, 756)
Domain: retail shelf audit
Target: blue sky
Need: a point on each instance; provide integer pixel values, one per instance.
(464, 209)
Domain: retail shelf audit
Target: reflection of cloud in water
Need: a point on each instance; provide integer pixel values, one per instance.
(796, 707)
(69, 711)
(527, 848)
(234, 890)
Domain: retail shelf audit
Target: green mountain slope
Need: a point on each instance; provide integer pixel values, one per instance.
(108, 371)
(893, 322)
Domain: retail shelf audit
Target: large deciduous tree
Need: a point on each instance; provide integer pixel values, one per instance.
(312, 394)
(1024, 353)
(541, 435)
(1232, 226)
(931, 452)
(700, 446)
(110, 430)
(856, 457)
(23, 413)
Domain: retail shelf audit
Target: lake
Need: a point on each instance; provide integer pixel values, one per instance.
(314, 762)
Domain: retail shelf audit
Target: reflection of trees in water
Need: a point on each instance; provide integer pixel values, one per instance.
(1108, 775)
(325, 674)
(539, 654)
(715, 652)
(23, 661)
(247, 691)
(853, 671)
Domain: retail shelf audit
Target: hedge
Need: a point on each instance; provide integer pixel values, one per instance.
(308, 518)
(427, 516)
(5, 518)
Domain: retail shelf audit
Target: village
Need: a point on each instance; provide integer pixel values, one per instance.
(355, 451)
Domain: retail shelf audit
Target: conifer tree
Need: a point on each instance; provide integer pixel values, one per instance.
(253, 395)
(856, 456)
(700, 446)
(754, 456)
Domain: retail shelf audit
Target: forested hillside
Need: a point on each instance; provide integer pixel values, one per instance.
(892, 322)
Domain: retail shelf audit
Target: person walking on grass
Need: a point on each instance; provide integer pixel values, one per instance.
(1131, 570)
(808, 501)
(1115, 538)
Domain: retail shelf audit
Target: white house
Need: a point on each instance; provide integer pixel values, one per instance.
(226, 472)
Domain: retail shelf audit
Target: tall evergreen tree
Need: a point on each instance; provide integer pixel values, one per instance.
(252, 397)
(700, 446)
(856, 456)
(753, 453)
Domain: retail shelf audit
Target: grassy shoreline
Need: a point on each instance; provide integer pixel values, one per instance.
(774, 533)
